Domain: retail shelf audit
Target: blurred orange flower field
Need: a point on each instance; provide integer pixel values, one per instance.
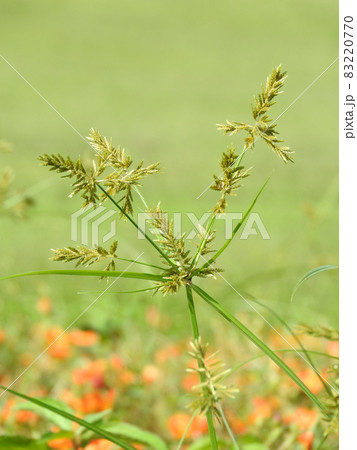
(98, 377)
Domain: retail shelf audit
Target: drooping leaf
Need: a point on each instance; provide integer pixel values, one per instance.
(310, 274)
(99, 431)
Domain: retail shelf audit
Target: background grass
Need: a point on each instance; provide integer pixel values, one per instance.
(157, 76)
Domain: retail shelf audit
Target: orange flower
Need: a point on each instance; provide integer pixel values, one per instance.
(150, 374)
(304, 418)
(190, 380)
(60, 344)
(198, 427)
(7, 409)
(333, 348)
(27, 417)
(306, 439)
(61, 444)
(170, 352)
(99, 444)
(84, 338)
(69, 398)
(97, 401)
(126, 377)
(116, 362)
(2, 336)
(90, 402)
(237, 425)
(93, 373)
(178, 423)
(312, 381)
(262, 410)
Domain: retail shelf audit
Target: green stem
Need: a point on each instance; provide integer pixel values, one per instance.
(203, 241)
(196, 335)
(236, 229)
(212, 220)
(136, 226)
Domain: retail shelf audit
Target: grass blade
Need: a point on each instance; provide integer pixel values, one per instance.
(121, 292)
(260, 344)
(90, 273)
(310, 274)
(135, 434)
(89, 426)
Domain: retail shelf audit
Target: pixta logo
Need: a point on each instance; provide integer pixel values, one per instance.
(252, 225)
(90, 225)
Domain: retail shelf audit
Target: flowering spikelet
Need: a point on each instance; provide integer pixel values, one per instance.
(121, 178)
(229, 180)
(177, 274)
(206, 240)
(84, 180)
(209, 392)
(263, 126)
(330, 334)
(86, 256)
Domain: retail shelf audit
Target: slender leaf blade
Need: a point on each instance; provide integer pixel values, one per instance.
(311, 273)
(103, 433)
(260, 344)
(294, 335)
(90, 273)
(135, 434)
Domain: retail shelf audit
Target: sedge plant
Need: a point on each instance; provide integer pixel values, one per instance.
(113, 177)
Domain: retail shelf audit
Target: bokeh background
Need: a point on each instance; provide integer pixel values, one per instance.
(157, 77)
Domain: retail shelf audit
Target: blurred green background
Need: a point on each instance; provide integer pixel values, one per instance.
(157, 76)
